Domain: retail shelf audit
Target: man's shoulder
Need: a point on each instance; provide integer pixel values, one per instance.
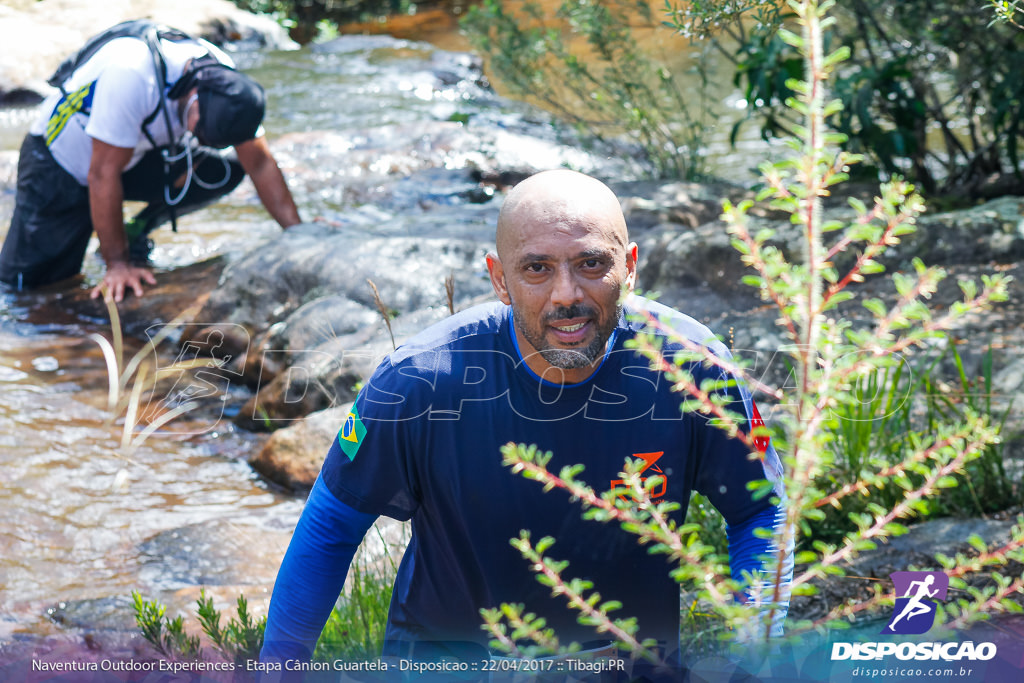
(438, 357)
(122, 66)
(476, 328)
(177, 52)
(124, 52)
(132, 54)
(668, 323)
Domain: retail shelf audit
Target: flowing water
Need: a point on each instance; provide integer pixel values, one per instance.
(78, 512)
(84, 522)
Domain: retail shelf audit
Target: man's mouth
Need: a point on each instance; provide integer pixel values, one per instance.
(572, 331)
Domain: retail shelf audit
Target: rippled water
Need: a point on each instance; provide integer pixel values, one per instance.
(78, 512)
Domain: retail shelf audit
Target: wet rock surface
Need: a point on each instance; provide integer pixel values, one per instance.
(176, 292)
(213, 554)
(293, 455)
(98, 615)
(310, 262)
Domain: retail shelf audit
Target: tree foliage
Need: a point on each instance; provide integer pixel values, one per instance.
(931, 91)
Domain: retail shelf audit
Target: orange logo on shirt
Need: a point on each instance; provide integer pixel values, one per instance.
(649, 466)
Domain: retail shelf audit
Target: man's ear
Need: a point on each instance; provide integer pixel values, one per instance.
(497, 273)
(632, 252)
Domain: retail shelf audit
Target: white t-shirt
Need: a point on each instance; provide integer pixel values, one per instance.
(110, 96)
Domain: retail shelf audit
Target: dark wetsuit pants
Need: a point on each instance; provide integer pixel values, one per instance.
(51, 225)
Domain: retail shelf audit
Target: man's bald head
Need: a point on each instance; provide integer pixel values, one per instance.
(558, 196)
(562, 264)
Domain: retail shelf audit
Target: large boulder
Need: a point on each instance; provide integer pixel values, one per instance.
(294, 383)
(226, 552)
(311, 261)
(292, 456)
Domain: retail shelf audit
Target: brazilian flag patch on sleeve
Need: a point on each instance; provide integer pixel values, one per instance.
(350, 438)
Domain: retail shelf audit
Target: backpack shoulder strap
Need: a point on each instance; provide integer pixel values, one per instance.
(136, 28)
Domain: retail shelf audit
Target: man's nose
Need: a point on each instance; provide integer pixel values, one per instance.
(565, 290)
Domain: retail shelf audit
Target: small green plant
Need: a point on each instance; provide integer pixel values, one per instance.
(874, 433)
(264, 418)
(167, 636)
(986, 486)
(242, 639)
(701, 512)
(1007, 11)
(238, 642)
(354, 630)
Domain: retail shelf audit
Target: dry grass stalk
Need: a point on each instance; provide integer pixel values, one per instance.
(385, 313)
(449, 289)
(128, 381)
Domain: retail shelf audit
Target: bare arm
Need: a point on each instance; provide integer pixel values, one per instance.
(260, 165)
(106, 195)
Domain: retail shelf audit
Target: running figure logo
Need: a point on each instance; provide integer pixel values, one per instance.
(914, 612)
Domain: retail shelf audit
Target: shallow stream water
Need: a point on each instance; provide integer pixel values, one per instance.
(78, 512)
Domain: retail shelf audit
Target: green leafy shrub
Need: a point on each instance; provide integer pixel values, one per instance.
(355, 629)
(879, 427)
(166, 635)
(891, 412)
(241, 640)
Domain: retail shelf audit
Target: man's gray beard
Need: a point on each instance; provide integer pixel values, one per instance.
(568, 359)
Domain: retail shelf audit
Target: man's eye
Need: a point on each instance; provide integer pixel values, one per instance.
(592, 263)
(535, 268)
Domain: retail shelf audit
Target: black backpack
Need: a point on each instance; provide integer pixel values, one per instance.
(150, 33)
